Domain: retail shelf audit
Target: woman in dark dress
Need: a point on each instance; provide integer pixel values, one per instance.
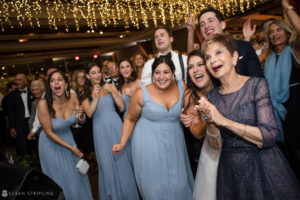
(241, 120)
(84, 135)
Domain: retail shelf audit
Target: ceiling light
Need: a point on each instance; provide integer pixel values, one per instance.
(21, 40)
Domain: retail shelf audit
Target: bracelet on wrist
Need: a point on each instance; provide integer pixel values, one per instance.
(83, 118)
(212, 136)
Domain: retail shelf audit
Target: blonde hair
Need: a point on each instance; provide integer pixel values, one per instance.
(288, 28)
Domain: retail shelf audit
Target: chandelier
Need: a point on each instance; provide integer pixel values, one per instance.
(76, 14)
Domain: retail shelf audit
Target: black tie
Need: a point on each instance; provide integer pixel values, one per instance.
(22, 91)
(169, 55)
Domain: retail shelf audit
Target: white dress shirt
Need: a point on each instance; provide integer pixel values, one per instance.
(147, 70)
(24, 98)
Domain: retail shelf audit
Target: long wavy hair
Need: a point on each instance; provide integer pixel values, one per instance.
(87, 88)
(192, 89)
(49, 94)
(132, 77)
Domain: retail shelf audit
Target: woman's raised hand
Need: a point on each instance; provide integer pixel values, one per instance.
(97, 89)
(209, 112)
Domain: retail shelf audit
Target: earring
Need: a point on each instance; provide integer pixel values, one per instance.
(53, 96)
(233, 63)
(67, 93)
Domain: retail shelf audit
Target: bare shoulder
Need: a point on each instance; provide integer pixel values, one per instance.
(42, 102)
(137, 96)
(138, 83)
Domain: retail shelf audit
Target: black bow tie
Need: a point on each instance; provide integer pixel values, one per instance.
(169, 55)
(22, 91)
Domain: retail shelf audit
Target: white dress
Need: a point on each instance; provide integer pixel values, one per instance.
(205, 187)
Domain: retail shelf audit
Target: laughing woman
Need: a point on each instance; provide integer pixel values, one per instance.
(159, 154)
(57, 149)
(240, 118)
(199, 83)
(116, 177)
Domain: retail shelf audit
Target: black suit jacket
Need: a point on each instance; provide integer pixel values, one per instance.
(16, 110)
(248, 64)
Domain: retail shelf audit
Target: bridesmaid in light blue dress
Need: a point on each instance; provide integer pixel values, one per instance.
(116, 176)
(57, 149)
(127, 83)
(159, 153)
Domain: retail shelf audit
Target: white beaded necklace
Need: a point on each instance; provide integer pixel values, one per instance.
(234, 86)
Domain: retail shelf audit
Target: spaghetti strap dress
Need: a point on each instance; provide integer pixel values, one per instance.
(58, 163)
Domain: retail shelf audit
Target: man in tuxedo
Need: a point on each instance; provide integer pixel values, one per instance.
(163, 38)
(211, 22)
(19, 104)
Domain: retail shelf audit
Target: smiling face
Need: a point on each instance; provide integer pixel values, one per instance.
(139, 61)
(219, 60)
(58, 84)
(210, 24)
(198, 74)
(163, 41)
(163, 76)
(80, 79)
(36, 91)
(112, 69)
(278, 36)
(125, 69)
(94, 75)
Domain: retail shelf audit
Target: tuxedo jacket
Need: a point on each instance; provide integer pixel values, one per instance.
(16, 110)
(248, 63)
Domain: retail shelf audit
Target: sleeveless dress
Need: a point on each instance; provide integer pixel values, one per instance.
(246, 171)
(116, 176)
(59, 163)
(159, 153)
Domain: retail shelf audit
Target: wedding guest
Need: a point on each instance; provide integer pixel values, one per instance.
(160, 159)
(163, 38)
(128, 82)
(282, 72)
(139, 62)
(19, 105)
(241, 121)
(57, 149)
(116, 176)
(37, 88)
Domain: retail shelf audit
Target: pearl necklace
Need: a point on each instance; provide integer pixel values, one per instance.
(234, 86)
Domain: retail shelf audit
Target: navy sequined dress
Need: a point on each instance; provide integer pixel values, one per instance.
(245, 171)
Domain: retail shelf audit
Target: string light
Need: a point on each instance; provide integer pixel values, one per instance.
(98, 13)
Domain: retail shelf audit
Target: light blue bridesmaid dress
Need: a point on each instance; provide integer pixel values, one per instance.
(59, 163)
(116, 176)
(159, 153)
(126, 99)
